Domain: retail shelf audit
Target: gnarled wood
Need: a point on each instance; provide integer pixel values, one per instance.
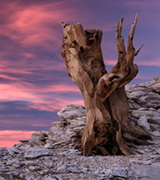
(103, 92)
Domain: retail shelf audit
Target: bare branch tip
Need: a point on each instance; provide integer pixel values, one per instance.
(136, 53)
(136, 17)
(120, 21)
(63, 24)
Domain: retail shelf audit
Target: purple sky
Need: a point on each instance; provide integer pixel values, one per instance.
(34, 82)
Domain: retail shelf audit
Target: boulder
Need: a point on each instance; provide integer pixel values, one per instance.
(39, 136)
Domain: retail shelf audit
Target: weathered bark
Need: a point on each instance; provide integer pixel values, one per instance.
(108, 128)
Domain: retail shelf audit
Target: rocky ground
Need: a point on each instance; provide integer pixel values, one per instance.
(52, 156)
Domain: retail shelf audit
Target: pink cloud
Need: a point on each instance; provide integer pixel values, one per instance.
(10, 137)
(9, 121)
(38, 97)
(46, 106)
(14, 92)
(39, 125)
(37, 24)
(63, 88)
(110, 62)
(141, 62)
(54, 66)
(7, 77)
(149, 63)
(27, 91)
(55, 105)
(61, 102)
(4, 69)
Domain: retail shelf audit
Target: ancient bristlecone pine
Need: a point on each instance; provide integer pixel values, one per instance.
(108, 129)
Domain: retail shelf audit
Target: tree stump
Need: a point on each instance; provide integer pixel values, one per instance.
(108, 129)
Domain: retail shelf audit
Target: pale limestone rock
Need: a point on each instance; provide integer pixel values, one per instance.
(152, 116)
(39, 136)
(49, 146)
(149, 100)
(148, 172)
(137, 94)
(73, 119)
(143, 123)
(13, 162)
(49, 178)
(71, 112)
(133, 105)
(120, 172)
(32, 168)
(151, 109)
(158, 151)
(1, 178)
(56, 132)
(156, 133)
(35, 153)
(62, 169)
(24, 140)
(154, 84)
(13, 149)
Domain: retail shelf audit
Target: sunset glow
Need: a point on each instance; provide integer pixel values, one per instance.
(10, 137)
(34, 82)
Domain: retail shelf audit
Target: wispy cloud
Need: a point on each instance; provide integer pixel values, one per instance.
(144, 63)
(15, 92)
(38, 98)
(37, 25)
(150, 63)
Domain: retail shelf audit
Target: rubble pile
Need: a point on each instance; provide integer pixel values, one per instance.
(52, 155)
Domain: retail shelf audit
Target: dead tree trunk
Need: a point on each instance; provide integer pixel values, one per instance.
(108, 129)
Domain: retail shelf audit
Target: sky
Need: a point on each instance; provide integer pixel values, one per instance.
(34, 82)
